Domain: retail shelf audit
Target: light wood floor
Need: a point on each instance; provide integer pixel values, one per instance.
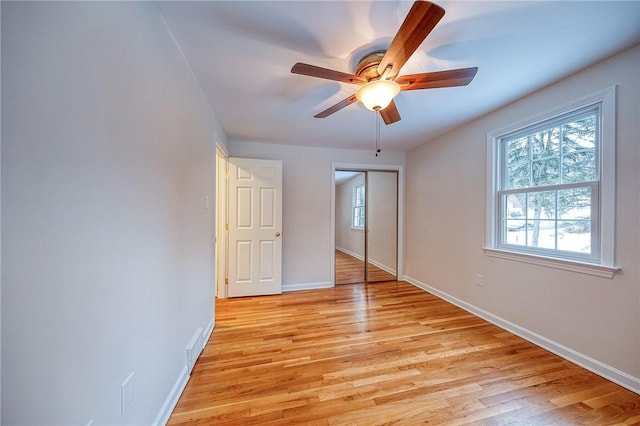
(350, 270)
(384, 353)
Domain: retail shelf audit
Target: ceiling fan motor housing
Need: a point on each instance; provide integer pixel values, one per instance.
(367, 67)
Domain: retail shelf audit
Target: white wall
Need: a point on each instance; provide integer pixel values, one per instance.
(107, 156)
(348, 239)
(307, 181)
(445, 230)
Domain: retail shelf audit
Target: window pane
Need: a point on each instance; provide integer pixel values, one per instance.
(515, 205)
(541, 205)
(574, 203)
(358, 199)
(545, 144)
(574, 235)
(357, 220)
(546, 233)
(357, 217)
(518, 163)
(579, 150)
(579, 135)
(579, 166)
(516, 232)
(545, 172)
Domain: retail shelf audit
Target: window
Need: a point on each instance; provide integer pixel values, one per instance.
(357, 218)
(551, 190)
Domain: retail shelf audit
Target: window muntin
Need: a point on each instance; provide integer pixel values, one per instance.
(548, 189)
(357, 217)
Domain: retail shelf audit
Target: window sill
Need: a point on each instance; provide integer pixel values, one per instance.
(550, 262)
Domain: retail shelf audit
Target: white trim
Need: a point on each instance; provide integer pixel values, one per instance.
(170, 403)
(551, 262)
(610, 373)
(383, 267)
(608, 176)
(220, 144)
(207, 332)
(221, 235)
(356, 166)
(373, 262)
(606, 215)
(351, 253)
(176, 392)
(193, 349)
(306, 286)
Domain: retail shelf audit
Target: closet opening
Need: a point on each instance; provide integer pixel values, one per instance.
(366, 225)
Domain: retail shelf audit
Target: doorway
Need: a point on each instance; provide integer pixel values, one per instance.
(365, 225)
(248, 226)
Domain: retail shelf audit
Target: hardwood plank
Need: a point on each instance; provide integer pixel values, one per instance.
(382, 353)
(350, 270)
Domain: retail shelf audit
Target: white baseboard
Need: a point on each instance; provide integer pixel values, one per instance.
(208, 331)
(350, 253)
(170, 403)
(305, 286)
(610, 373)
(373, 262)
(383, 267)
(193, 349)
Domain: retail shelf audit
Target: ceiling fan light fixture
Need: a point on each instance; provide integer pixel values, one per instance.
(376, 95)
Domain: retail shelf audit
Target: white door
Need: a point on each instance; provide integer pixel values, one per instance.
(255, 224)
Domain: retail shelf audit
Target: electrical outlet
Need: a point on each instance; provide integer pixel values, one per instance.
(480, 280)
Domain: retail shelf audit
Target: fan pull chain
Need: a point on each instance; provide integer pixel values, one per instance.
(377, 133)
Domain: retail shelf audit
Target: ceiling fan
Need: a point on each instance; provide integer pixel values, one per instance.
(377, 72)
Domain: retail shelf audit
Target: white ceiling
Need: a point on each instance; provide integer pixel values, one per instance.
(242, 53)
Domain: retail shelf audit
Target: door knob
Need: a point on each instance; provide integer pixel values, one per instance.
(277, 234)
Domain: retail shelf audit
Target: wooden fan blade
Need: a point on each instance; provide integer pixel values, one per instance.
(337, 107)
(390, 114)
(314, 71)
(420, 21)
(432, 80)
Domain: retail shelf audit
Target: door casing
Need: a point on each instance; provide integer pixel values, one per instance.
(220, 223)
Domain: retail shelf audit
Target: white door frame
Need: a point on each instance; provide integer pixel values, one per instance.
(221, 246)
(367, 167)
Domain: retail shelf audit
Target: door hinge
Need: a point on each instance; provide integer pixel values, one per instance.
(227, 171)
(226, 226)
(226, 281)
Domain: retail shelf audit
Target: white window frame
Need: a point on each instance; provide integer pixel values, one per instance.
(355, 206)
(603, 265)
